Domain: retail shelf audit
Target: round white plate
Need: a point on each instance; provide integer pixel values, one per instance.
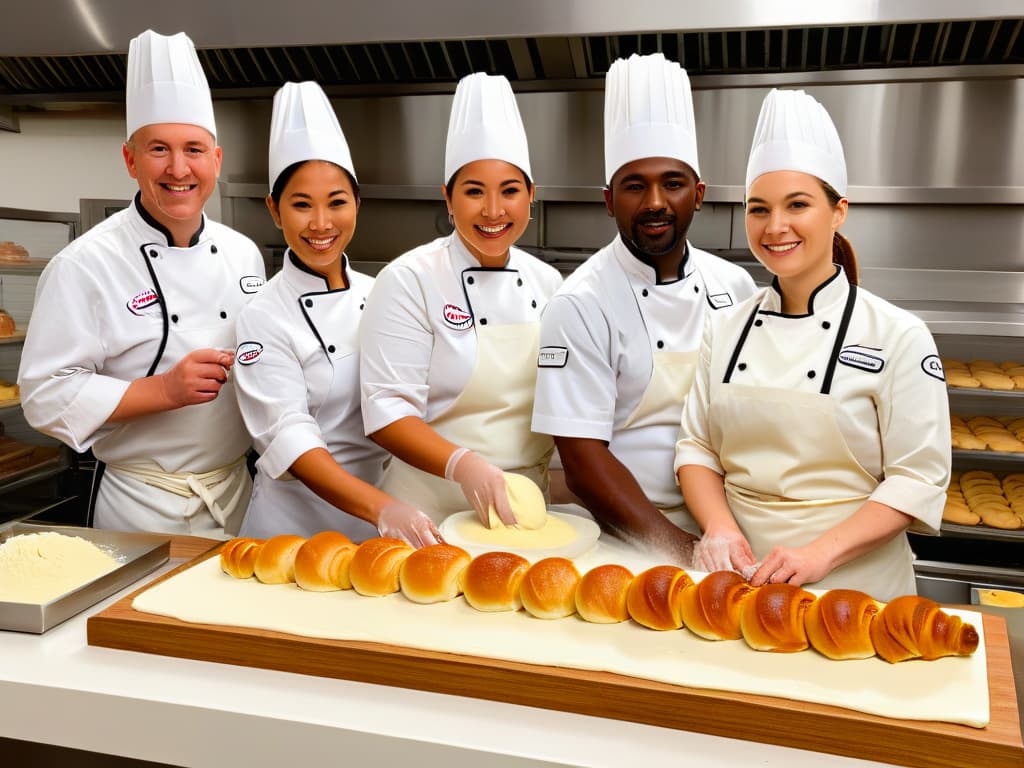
(587, 532)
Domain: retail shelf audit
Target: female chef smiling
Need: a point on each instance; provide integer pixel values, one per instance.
(298, 372)
(818, 429)
(450, 337)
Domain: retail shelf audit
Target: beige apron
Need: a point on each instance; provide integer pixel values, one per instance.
(790, 476)
(491, 417)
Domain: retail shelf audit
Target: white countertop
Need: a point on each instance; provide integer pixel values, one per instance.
(56, 689)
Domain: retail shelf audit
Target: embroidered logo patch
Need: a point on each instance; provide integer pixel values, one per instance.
(248, 352)
(720, 300)
(251, 283)
(864, 358)
(552, 357)
(456, 317)
(64, 373)
(932, 365)
(142, 301)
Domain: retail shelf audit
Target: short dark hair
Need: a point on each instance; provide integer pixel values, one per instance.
(286, 175)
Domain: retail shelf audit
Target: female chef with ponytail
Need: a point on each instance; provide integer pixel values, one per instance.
(817, 431)
(298, 357)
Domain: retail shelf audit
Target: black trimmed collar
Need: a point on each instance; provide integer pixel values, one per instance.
(309, 280)
(827, 286)
(148, 218)
(643, 270)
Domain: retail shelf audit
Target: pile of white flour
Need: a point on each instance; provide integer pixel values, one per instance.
(37, 567)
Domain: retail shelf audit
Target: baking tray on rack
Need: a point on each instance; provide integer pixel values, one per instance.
(137, 553)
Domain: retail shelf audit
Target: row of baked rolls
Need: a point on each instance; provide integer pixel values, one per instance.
(841, 624)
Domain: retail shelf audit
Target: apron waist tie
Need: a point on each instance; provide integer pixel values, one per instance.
(185, 484)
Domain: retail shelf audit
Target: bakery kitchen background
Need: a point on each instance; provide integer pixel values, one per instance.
(928, 96)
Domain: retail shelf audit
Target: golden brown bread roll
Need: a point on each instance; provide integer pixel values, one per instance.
(493, 580)
(376, 566)
(960, 378)
(601, 594)
(712, 607)
(653, 598)
(275, 561)
(549, 588)
(434, 574)
(6, 324)
(322, 562)
(914, 627)
(838, 624)
(773, 618)
(238, 557)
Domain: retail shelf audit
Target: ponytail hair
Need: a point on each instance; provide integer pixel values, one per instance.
(842, 249)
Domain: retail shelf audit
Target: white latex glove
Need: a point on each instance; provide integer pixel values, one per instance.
(483, 484)
(724, 552)
(401, 521)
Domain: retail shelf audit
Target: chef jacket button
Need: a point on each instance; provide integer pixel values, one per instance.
(174, 318)
(533, 303)
(661, 345)
(223, 315)
(309, 302)
(811, 374)
(483, 321)
(330, 348)
(362, 305)
(152, 254)
(519, 282)
(643, 292)
(213, 249)
(742, 366)
(759, 323)
(696, 289)
(470, 280)
(826, 325)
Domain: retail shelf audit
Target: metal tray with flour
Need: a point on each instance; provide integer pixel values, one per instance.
(137, 553)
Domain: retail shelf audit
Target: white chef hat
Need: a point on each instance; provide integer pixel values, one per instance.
(485, 125)
(305, 127)
(795, 133)
(648, 112)
(166, 84)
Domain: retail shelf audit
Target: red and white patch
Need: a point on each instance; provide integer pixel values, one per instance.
(456, 317)
(140, 302)
(248, 352)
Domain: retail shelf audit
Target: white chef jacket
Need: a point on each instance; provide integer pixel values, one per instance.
(98, 324)
(418, 337)
(295, 339)
(888, 387)
(599, 334)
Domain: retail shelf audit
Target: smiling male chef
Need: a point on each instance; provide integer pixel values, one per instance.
(132, 330)
(619, 340)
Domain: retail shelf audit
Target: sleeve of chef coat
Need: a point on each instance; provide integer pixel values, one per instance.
(62, 395)
(576, 394)
(395, 346)
(272, 394)
(913, 419)
(694, 446)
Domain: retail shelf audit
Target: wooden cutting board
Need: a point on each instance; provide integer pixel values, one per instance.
(784, 722)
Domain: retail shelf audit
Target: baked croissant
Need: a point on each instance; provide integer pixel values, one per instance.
(839, 622)
(653, 599)
(322, 562)
(549, 588)
(376, 566)
(912, 627)
(493, 580)
(772, 618)
(275, 561)
(601, 594)
(712, 607)
(434, 574)
(238, 557)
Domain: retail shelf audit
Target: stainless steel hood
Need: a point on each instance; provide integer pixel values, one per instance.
(75, 49)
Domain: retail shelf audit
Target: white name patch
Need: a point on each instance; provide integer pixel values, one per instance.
(248, 352)
(932, 365)
(456, 317)
(552, 357)
(866, 359)
(720, 300)
(251, 283)
(143, 300)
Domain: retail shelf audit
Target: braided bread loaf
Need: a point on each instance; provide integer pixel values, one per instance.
(841, 624)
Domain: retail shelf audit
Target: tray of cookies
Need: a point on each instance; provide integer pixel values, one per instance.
(982, 498)
(1005, 376)
(997, 434)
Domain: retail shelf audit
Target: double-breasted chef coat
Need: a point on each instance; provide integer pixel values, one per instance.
(455, 344)
(618, 353)
(121, 303)
(297, 374)
(809, 416)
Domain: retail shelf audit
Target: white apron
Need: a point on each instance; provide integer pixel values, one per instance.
(790, 476)
(492, 415)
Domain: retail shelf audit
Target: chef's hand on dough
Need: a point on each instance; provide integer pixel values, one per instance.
(723, 551)
(401, 521)
(197, 377)
(484, 487)
(796, 565)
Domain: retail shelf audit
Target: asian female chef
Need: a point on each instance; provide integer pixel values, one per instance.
(298, 360)
(449, 340)
(818, 430)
